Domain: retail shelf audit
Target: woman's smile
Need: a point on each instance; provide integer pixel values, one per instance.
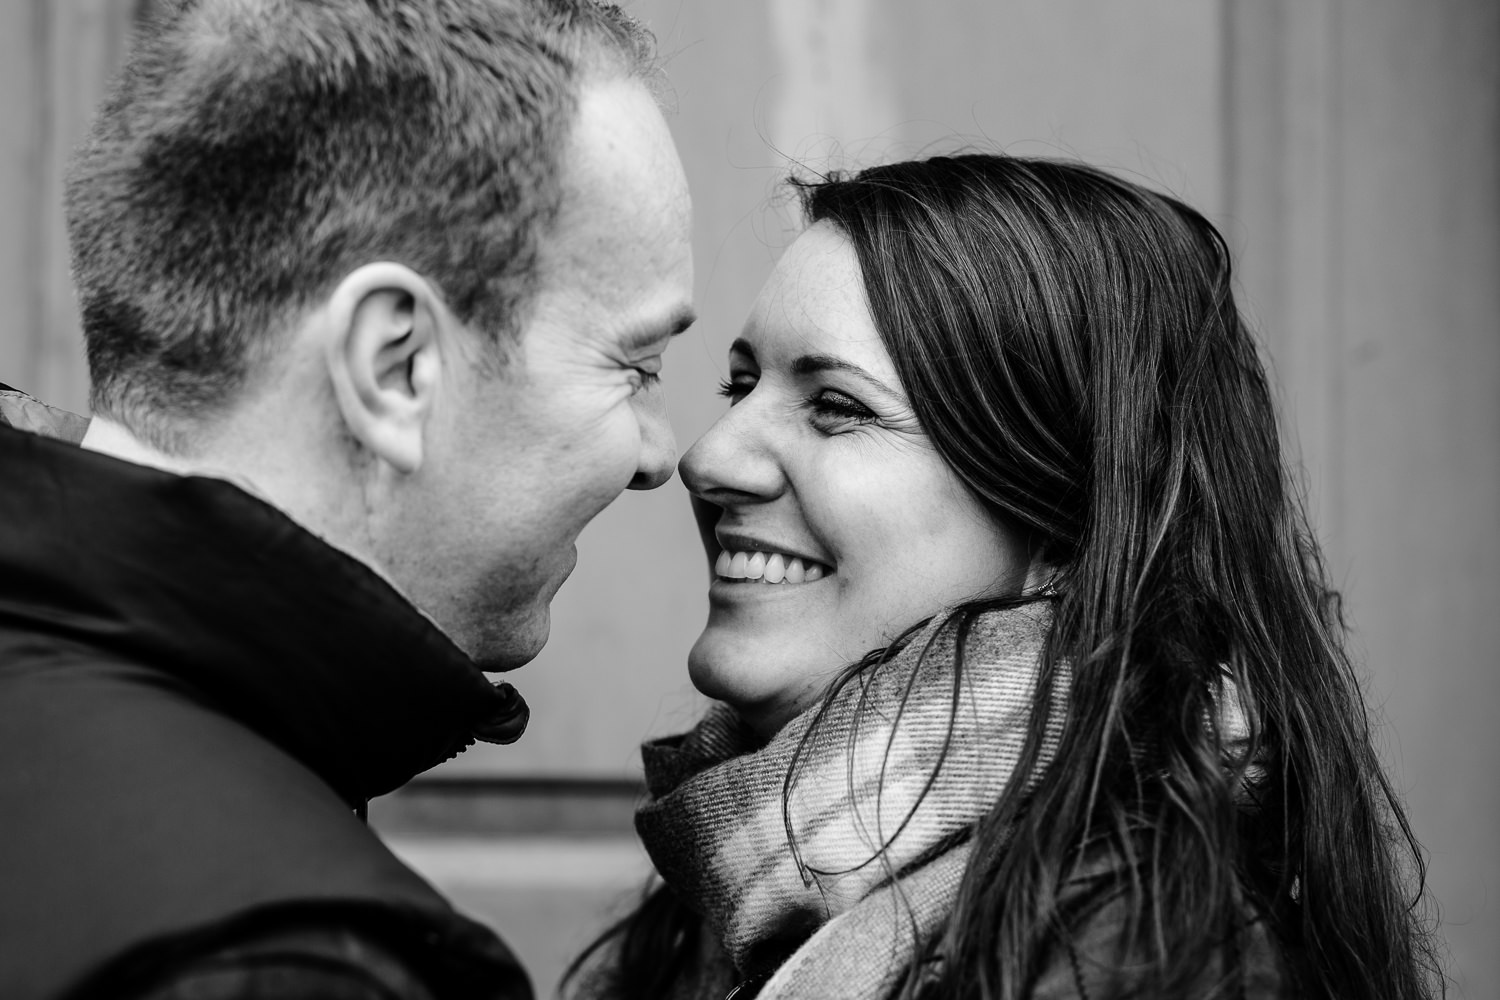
(745, 558)
(772, 568)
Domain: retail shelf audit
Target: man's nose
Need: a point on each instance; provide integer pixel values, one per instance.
(658, 446)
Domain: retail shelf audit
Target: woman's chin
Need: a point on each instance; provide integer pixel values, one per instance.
(711, 668)
(765, 686)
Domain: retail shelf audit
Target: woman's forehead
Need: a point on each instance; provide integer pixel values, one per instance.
(815, 303)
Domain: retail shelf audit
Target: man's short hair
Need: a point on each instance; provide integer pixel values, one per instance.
(253, 152)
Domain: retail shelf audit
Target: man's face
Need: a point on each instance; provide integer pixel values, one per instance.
(518, 464)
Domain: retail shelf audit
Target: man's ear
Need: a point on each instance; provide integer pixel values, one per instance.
(383, 358)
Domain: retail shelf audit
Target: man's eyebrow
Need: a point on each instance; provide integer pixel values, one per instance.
(811, 364)
(643, 337)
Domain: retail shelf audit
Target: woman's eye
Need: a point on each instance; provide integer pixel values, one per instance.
(641, 379)
(830, 404)
(736, 387)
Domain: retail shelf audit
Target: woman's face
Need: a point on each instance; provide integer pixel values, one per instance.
(830, 519)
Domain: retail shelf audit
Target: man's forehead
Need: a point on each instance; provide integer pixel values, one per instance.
(619, 249)
(620, 156)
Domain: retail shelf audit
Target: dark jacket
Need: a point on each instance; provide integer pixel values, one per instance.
(196, 695)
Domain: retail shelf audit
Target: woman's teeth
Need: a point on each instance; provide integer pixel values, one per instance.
(767, 567)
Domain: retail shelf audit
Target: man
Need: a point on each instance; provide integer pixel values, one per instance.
(375, 295)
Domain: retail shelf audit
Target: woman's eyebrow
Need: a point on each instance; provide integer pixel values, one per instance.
(810, 364)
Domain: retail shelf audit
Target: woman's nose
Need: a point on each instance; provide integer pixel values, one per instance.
(735, 460)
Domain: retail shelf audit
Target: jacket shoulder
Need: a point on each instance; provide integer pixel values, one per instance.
(172, 855)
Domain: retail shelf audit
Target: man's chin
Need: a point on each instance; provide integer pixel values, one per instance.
(512, 641)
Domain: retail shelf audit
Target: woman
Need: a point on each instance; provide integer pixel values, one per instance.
(999, 438)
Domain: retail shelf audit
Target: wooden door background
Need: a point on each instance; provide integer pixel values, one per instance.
(1350, 149)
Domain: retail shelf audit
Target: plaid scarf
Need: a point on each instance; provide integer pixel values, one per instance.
(825, 873)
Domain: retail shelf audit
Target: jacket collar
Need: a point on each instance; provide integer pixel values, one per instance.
(196, 579)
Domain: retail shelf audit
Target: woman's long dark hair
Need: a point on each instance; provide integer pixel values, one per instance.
(1070, 344)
